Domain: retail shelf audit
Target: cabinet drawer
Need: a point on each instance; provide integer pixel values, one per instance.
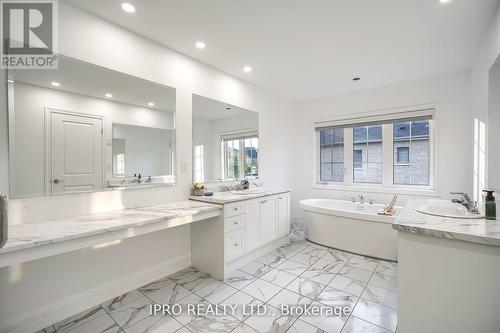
(234, 209)
(234, 245)
(234, 222)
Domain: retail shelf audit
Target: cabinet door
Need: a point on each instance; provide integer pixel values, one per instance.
(269, 219)
(284, 214)
(234, 244)
(252, 225)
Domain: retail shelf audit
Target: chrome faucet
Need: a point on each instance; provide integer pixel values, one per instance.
(361, 198)
(243, 185)
(466, 201)
(353, 199)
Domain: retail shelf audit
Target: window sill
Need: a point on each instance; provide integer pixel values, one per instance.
(410, 190)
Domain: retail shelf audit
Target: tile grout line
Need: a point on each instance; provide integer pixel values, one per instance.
(307, 248)
(351, 314)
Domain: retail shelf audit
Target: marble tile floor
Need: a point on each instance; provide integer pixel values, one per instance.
(298, 273)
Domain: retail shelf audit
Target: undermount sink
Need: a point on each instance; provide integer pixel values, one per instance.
(449, 209)
(249, 191)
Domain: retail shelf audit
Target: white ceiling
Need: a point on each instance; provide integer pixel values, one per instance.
(210, 109)
(86, 79)
(311, 49)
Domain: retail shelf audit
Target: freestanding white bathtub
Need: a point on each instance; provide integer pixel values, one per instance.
(352, 227)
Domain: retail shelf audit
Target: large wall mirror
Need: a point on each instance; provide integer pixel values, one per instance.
(225, 141)
(494, 127)
(84, 128)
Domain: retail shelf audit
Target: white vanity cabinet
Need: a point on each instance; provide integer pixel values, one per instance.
(261, 221)
(269, 219)
(254, 223)
(249, 229)
(234, 244)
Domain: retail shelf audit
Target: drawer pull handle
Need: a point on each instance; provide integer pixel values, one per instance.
(235, 244)
(236, 223)
(265, 201)
(235, 208)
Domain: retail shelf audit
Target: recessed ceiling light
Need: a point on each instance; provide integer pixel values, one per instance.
(151, 104)
(10, 81)
(129, 8)
(55, 84)
(357, 78)
(247, 69)
(444, 1)
(108, 95)
(200, 45)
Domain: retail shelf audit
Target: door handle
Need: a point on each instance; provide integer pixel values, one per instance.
(57, 181)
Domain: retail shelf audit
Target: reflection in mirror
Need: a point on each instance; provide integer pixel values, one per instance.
(225, 141)
(494, 127)
(84, 128)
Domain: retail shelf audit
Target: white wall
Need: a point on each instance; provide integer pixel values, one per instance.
(453, 132)
(27, 133)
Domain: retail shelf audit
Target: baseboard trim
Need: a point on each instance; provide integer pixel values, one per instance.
(57, 311)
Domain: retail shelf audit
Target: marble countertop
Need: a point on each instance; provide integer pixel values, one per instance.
(118, 224)
(222, 198)
(480, 231)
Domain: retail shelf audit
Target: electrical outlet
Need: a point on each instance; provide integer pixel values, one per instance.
(184, 167)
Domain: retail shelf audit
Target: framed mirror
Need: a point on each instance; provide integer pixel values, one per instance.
(225, 141)
(84, 128)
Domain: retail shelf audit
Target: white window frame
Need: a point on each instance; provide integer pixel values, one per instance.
(241, 136)
(383, 116)
(199, 163)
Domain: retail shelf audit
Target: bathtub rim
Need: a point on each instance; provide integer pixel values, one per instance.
(356, 215)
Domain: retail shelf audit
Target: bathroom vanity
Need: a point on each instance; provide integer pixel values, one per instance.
(251, 226)
(448, 273)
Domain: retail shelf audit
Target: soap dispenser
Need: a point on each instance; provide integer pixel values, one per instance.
(490, 205)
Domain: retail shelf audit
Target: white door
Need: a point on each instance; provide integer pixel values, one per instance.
(284, 214)
(252, 225)
(269, 219)
(75, 153)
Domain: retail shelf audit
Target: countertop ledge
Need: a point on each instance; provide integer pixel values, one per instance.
(480, 231)
(42, 239)
(222, 198)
